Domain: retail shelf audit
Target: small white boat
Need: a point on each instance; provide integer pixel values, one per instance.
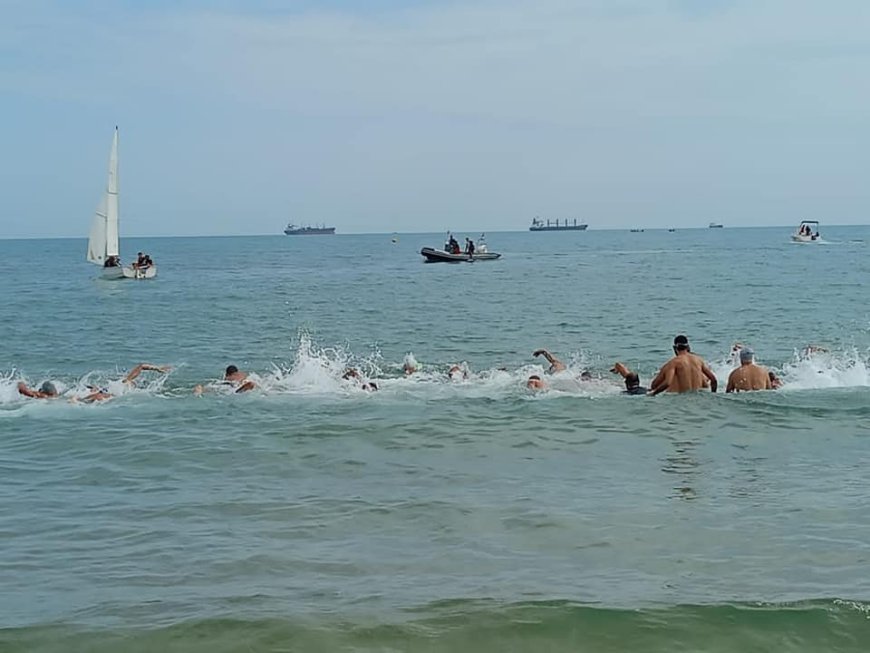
(103, 242)
(807, 232)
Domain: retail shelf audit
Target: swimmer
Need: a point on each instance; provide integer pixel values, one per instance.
(685, 372)
(233, 377)
(535, 382)
(775, 381)
(46, 391)
(103, 394)
(410, 364)
(632, 380)
(809, 350)
(748, 376)
(555, 364)
(352, 374)
(457, 373)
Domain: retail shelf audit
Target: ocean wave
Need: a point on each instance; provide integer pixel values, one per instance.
(488, 625)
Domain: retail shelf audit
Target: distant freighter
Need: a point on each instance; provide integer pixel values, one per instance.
(293, 230)
(538, 225)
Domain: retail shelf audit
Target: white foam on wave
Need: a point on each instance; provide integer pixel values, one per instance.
(319, 371)
(809, 370)
(77, 388)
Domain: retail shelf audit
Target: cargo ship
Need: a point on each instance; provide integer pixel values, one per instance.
(293, 230)
(564, 225)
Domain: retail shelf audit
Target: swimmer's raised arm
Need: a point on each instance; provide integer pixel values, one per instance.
(555, 364)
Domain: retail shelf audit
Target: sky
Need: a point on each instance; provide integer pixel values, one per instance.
(238, 117)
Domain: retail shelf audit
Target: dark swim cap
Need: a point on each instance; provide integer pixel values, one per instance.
(681, 342)
(48, 388)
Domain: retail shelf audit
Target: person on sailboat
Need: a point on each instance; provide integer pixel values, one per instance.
(112, 262)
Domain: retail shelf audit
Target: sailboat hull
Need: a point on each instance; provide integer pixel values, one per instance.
(114, 272)
(130, 272)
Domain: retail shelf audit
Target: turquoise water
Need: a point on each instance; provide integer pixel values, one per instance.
(436, 515)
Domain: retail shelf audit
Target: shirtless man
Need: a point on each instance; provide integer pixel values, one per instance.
(748, 376)
(233, 377)
(555, 364)
(535, 382)
(352, 374)
(238, 379)
(632, 380)
(102, 394)
(46, 391)
(685, 372)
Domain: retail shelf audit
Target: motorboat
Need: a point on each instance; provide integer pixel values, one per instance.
(807, 232)
(452, 254)
(714, 225)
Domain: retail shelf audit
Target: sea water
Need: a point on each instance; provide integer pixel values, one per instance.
(436, 514)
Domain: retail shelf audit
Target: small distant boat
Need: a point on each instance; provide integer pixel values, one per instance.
(450, 254)
(671, 230)
(293, 230)
(103, 241)
(636, 231)
(538, 225)
(807, 232)
(714, 225)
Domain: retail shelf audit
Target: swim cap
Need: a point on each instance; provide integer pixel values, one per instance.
(681, 340)
(746, 355)
(48, 388)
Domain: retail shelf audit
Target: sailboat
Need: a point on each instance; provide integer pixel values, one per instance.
(103, 246)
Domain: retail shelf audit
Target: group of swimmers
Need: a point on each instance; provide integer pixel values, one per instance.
(685, 372)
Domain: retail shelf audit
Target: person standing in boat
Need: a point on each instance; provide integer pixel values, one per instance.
(469, 247)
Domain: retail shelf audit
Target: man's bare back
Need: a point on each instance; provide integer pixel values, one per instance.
(685, 372)
(748, 376)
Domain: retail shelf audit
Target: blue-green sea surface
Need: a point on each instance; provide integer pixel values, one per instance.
(437, 513)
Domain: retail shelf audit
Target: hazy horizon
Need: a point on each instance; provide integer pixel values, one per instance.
(385, 116)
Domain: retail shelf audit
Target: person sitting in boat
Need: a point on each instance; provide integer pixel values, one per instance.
(453, 246)
(112, 262)
(148, 261)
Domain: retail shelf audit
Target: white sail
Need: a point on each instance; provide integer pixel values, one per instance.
(97, 240)
(103, 240)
